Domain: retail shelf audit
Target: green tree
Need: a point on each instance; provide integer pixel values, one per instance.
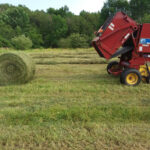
(75, 40)
(6, 31)
(111, 7)
(58, 30)
(15, 17)
(78, 24)
(21, 42)
(91, 18)
(43, 22)
(64, 43)
(146, 18)
(33, 33)
(78, 41)
(63, 11)
(18, 31)
(139, 8)
(4, 42)
(4, 7)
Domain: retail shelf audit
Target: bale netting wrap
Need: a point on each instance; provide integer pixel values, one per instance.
(16, 68)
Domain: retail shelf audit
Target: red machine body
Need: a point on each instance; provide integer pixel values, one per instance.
(115, 31)
(144, 43)
(122, 37)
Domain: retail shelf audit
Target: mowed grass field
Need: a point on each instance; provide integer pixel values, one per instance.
(73, 104)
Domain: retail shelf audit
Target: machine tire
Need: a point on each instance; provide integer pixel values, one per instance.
(110, 65)
(130, 77)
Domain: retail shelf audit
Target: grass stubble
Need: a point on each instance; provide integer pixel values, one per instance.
(74, 106)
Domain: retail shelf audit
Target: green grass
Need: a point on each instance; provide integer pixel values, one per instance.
(71, 106)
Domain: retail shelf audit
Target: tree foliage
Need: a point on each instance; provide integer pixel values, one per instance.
(112, 6)
(63, 11)
(134, 8)
(58, 30)
(146, 18)
(75, 40)
(139, 8)
(60, 27)
(15, 17)
(21, 42)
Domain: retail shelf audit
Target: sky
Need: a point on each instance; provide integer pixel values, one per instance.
(75, 6)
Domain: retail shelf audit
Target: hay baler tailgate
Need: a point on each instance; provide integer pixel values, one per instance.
(114, 33)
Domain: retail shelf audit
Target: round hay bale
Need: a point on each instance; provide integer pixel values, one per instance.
(16, 68)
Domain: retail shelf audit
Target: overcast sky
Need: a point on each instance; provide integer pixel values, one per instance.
(75, 6)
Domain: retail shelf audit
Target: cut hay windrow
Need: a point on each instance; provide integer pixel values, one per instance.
(69, 61)
(43, 55)
(16, 68)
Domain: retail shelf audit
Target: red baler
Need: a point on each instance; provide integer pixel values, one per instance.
(122, 37)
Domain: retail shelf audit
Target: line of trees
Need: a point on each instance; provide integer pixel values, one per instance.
(22, 28)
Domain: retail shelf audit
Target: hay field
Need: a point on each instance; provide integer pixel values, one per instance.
(73, 104)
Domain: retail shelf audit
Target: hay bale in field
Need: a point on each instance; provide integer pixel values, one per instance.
(16, 68)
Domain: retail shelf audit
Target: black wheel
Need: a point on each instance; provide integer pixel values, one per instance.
(114, 65)
(131, 77)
